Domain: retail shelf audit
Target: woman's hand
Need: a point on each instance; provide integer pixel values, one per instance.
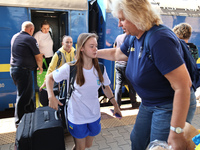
(177, 141)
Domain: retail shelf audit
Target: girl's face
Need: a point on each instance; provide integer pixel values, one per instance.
(90, 48)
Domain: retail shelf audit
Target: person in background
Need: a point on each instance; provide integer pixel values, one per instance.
(25, 57)
(45, 41)
(120, 67)
(83, 107)
(184, 31)
(163, 83)
(67, 53)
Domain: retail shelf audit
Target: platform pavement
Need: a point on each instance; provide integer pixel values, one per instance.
(113, 138)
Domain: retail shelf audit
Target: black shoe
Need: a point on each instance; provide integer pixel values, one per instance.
(136, 105)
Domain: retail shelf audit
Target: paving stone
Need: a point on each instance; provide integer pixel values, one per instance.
(125, 147)
(99, 137)
(114, 146)
(115, 133)
(102, 144)
(126, 135)
(109, 139)
(120, 140)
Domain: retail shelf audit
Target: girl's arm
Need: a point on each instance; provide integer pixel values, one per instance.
(53, 101)
(107, 91)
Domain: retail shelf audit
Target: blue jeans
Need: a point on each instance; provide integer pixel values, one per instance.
(120, 81)
(24, 83)
(192, 107)
(151, 123)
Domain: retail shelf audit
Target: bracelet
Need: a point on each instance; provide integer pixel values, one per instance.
(111, 98)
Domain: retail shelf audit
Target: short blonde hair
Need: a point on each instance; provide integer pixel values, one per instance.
(138, 12)
(183, 30)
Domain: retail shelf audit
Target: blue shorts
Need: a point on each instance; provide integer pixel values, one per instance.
(80, 131)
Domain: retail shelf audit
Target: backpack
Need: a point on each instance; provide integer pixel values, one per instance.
(60, 55)
(193, 50)
(189, 60)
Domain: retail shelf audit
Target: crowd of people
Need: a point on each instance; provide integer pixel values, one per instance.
(162, 81)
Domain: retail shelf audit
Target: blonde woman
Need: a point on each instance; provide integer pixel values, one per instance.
(83, 108)
(163, 82)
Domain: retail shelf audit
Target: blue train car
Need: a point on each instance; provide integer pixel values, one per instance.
(108, 30)
(65, 17)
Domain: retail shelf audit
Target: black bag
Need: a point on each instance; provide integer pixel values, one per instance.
(24, 132)
(40, 130)
(43, 96)
(47, 130)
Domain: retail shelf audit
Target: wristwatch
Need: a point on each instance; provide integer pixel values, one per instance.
(178, 130)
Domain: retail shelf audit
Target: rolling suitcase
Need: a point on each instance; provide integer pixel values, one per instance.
(47, 130)
(24, 132)
(40, 130)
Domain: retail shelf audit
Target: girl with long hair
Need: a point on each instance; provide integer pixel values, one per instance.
(83, 107)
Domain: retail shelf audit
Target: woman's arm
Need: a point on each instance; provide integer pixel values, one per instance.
(113, 54)
(53, 101)
(180, 81)
(107, 91)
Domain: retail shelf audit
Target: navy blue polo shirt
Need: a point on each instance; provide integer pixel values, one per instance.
(147, 76)
(23, 50)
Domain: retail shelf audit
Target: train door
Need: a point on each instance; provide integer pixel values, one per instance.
(58, 27)
(11, 20)
(57, 21)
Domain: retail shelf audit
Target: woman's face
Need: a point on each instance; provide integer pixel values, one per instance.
(127, 26)
(90, 48)
(45, 28)
(67, 44)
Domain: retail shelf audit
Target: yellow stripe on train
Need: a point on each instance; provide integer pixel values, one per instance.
(4, 67)
(198, 61)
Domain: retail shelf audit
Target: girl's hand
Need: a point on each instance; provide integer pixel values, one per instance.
(54, 102)
(117, 110)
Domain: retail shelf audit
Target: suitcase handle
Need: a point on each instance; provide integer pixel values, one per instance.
(56, 113)
(47, 117)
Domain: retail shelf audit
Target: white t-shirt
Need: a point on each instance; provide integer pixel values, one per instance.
(45, 43)
(83, 106)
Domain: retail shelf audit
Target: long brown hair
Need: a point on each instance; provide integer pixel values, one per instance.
(82, 39)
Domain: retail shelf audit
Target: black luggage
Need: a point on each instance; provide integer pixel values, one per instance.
(24, 132)
(40, 130)
(47, 130)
